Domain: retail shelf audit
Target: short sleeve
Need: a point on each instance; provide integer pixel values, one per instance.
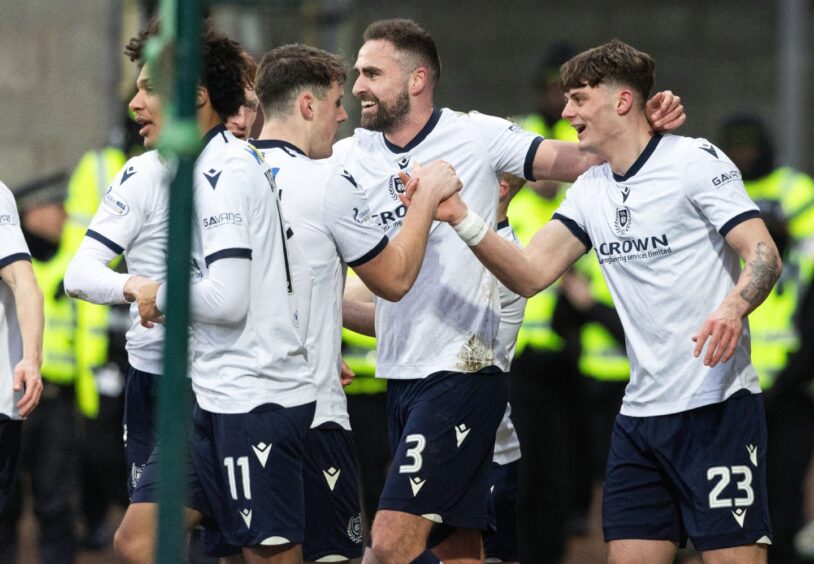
(12, 243)
(715, 186)
(511, 148)
(223, 205)
(124, 207)
(357, 235)
(572, 213)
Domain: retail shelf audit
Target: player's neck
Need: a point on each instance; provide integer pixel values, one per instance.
(207, 120)
(285, 130)
(625, 148)
(413, 123)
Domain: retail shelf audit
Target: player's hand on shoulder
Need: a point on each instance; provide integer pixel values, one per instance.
(665, 112)
(723, 330)
(27, 376)
(147, 306)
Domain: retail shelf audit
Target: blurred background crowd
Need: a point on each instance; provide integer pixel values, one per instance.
(743, 72)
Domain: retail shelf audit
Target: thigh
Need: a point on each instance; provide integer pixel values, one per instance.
(753, 554)
(441, 465)
(333, 521)
(139, 423)
(635, 551)
(717, 459)
(639, 501)
(250, 469)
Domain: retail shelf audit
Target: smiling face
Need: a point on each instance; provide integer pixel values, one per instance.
(146, 105)
(591, 111)
(382, 86)
(329, 113)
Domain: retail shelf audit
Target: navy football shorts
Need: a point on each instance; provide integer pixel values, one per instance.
(140, 393)
(500, 541)
(333, 520)
(699, 474)
(442, 432)
(250, 469)
(10, 436)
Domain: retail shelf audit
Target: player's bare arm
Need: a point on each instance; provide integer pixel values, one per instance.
(564, 161)
(762, 268)
(358, 310)
(19, 275)
(392, 272)
(527, 271)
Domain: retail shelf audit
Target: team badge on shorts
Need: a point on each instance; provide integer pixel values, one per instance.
(623, 220)
(355, 529)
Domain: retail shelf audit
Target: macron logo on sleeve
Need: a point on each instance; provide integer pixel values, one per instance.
(213, 176)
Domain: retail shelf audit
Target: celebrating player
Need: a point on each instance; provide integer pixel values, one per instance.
(300, 89)
(446, 389)
(670, 220)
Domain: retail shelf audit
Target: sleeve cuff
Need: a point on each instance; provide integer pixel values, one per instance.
(105, 241)
(735, 221)
(228, 253)
(528, 167)
(371, 254)
(14, 258)
(576, 230)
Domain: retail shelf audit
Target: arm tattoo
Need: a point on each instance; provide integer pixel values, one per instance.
(763, 273)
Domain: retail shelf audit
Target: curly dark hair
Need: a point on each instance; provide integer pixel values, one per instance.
(225, 71)
(408, 37)
(286, 71)
(615, 61)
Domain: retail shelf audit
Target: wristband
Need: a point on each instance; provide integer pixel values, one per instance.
(472, 229)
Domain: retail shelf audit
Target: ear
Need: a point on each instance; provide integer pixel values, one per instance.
(624, 101)
(419, 80)
(201, 97)
(305, 104)
(503, 190)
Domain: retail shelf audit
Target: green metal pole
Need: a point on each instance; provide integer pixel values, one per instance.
(181, 138)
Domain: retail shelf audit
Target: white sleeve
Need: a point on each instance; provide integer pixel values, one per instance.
(222, 297)
(511, 148)
(124, 207)
(714, 186)
(347, 214)
(225, 213)
(571, 213)
(89, 278)
(12, 243)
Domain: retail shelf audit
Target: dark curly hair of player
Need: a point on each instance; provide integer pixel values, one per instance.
(224, 71)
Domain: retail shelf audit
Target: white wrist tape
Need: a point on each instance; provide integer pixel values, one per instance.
(472, 229)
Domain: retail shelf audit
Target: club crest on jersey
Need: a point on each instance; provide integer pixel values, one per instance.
(114, 203)
(395, 187)
(623, 221)
(355, 529)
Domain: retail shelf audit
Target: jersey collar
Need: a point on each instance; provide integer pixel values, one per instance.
(276, 144)
(426, 130)
(648, 151)
(220, 128)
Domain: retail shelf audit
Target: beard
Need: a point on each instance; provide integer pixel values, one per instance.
(387, 116)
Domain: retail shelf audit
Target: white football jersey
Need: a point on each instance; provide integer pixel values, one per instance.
(659, 235)
(449, 319)
(513, 306)
(237, 367)
(330, 216)
(12, 248)
(132, 219)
